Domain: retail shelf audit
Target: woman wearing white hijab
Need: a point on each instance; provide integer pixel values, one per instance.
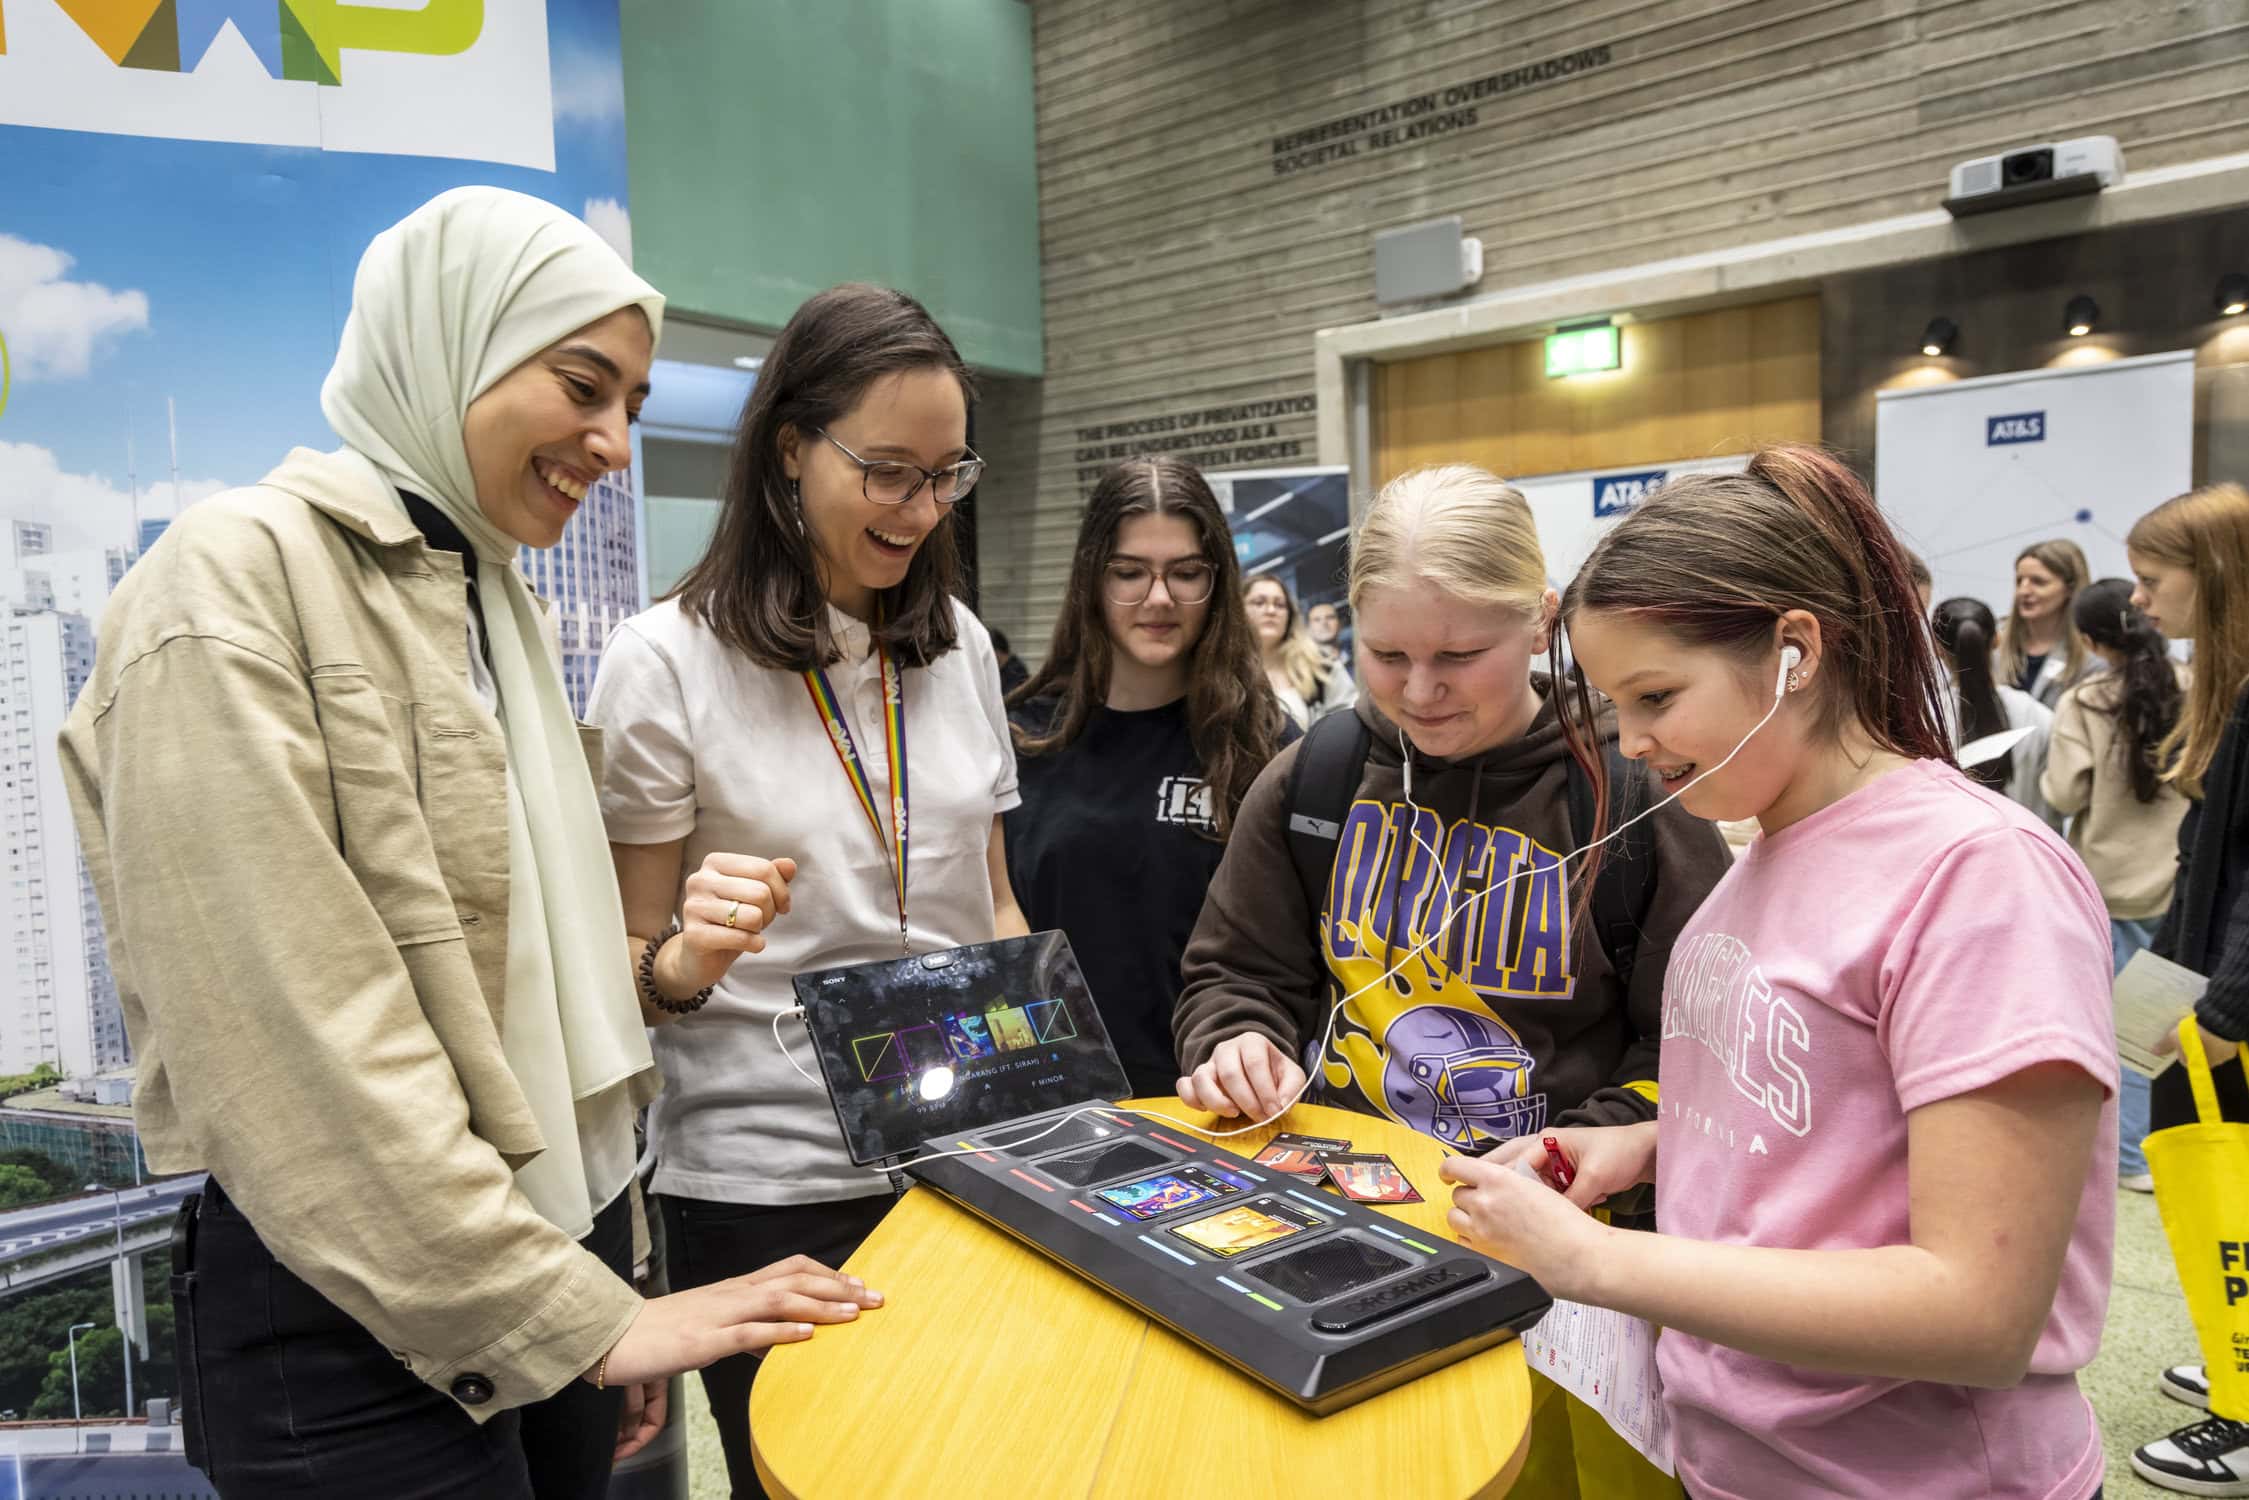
(362, 918)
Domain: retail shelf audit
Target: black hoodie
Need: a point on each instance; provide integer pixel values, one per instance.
(1512, 1022)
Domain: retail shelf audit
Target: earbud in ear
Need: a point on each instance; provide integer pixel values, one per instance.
(1789, 658)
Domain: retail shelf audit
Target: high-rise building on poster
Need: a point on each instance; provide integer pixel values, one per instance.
(60, 1003)
(592, 578)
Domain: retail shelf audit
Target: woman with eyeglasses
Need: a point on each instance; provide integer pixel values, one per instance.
(807, 760)
(1137, 740)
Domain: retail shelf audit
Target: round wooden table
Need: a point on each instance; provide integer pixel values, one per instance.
(992, 1371)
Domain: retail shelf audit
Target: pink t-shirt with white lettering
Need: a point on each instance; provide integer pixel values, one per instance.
(1918, 940)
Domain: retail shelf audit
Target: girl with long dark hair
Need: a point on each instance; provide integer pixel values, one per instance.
(1985, 706)
(761, 814)
(1137, 740)
(2103, 773)
(1887, 1196)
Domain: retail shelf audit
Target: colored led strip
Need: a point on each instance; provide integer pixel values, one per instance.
(1258, 1297)
(1166, 1249)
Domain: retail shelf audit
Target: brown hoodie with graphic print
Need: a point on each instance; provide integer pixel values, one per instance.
(1510, 1021)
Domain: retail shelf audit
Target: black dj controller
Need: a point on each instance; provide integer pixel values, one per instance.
(1324, 1300)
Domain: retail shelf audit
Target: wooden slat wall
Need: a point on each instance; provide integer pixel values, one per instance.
(1691, 387)
(1180, 272)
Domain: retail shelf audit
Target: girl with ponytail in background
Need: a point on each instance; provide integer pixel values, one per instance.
(2102, 772)
(1983, 706)
(1887, 1196)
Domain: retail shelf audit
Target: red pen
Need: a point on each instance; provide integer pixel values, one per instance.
(1563, 1176)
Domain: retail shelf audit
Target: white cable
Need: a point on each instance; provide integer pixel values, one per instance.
(1327, 1033)
(778, 1017)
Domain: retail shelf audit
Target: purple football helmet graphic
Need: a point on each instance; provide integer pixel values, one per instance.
(1459, 1076)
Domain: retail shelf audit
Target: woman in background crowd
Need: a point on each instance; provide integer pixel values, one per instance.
(2040, 650)
(2103, 774)
(1984, 706)
(2190, 556)
(1307, 686)
(1136, 743)
(758, 732)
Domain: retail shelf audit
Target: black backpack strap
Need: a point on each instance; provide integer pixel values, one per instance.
(1625, 886)
(1330, 761)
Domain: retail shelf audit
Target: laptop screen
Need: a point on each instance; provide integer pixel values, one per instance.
(960, 1040)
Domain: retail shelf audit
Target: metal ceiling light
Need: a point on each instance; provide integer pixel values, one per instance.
(2080, 316)
(1938, 337)
(2233, 294)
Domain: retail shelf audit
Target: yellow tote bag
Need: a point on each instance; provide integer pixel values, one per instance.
(2202, 1189)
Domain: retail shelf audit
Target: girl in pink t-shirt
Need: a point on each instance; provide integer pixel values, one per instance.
(1887, 1119)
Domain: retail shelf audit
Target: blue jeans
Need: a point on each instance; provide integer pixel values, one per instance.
(2124, 940)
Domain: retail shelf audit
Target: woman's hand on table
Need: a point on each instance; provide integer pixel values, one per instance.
(1247, 1075)
(780, 1304)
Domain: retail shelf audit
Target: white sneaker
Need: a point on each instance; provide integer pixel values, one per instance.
(2138, 1182)
(2209, 1458)
(2185, 1383)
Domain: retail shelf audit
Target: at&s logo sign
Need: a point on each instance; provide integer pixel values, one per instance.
(2019, 427)
(456, 78)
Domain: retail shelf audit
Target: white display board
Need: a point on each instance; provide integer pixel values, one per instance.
(1972, 472)
(1575, 510)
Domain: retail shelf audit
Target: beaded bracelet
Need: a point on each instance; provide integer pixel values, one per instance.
(657, 997)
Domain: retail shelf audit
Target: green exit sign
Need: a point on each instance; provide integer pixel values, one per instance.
(1580, 351)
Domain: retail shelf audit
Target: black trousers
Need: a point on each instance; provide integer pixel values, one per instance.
(706, 1242)
(284, 1395)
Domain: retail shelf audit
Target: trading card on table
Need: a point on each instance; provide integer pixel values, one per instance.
(1302, 1155)
(1231, 1231)
(1181, 1187)
(1370, 1178)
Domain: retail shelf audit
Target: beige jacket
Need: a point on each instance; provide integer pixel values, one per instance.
(2131, 847)
(294, 806)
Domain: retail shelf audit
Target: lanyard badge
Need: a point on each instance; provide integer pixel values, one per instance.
(893, 839)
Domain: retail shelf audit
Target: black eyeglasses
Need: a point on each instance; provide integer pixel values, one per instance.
(890, 482)
(1129, 581)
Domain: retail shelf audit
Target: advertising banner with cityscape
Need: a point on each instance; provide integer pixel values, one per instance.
(186, 187)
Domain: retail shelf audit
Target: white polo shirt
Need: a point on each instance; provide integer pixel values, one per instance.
(705, 745)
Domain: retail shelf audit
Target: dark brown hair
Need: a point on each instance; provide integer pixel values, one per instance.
(757, 586)
(2143, 693)
(1233, 719)
(1965, 632)
(1717, 559)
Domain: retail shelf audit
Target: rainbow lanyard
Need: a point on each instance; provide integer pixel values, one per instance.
(847, 754)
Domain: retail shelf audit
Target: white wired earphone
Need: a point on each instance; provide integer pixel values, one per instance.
(1790, 658)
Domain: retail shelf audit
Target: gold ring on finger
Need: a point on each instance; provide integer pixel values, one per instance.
(732, 908)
